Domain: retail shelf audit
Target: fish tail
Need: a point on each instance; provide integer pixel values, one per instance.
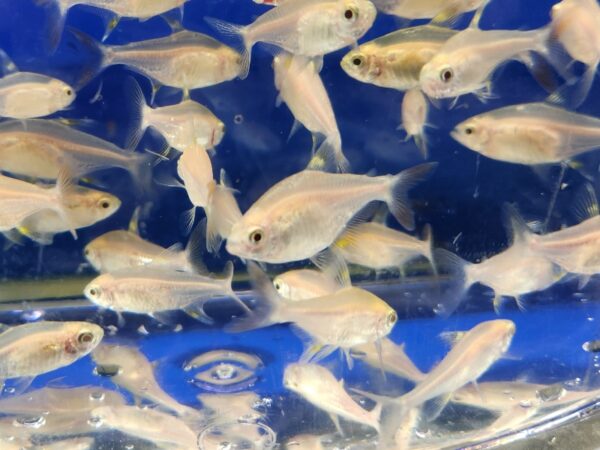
(140, 168)
(220, 215)
(240, 34)
(329, 156)
(375, 415)
(421, 143)
(397, 195)
(429, 249)
(193, 253)
(228, 276)
(519, 232)
(56, 22)
(134, 98)
(97, 48)
(553, 52)
(452, 291)
(573, 93)
(267, 301)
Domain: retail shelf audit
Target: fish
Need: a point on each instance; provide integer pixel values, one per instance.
(303, 27)
(185, 60)
(151, 425)
(136, 374)
(304, 284)
(349, 317)
(43, 148)
(529, 134)
(222, 212)
(472, 355)
(126, 249)
(237, 406)
(194, 167)
(182, 125)
(318, 386)
(35, 348)
(576, 25)
(152, 291)
(303, 214)
(379, 247)
(393, 358)
(438, 10)
(396, 59)
(415, 109)
(466, 61)
(301, 88)
(50, 425)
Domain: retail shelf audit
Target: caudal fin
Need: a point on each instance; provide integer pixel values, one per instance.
(56, 21)
(330, 157)
(401, 184)
(135, 100)
(228, 276)
(428, 249)
(454, 287)
(238, 32)
(95, 47)
(193, 249)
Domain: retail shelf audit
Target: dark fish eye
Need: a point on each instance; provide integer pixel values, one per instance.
(85, 337)
(469, 130)
(357, 61)
(349, 14)
(93, 292)
(256, 236)
(277, 286)
(446, 75)
(105, 204)
(86, 252)
(69, 92)
(392, 318)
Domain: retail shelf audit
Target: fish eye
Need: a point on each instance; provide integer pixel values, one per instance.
(69, 92)
(256, 236)
(94, 292)
(277, 285)
(358, 60)
(446, 75)
(350, 13)
(86, 252)
(85, 338)
(469, 130)
(104, 204)
(392, 318)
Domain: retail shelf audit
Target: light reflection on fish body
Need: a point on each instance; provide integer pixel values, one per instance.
(25, 95)
(439, 10)
(396, 59)
(303, 284)
(530, 133)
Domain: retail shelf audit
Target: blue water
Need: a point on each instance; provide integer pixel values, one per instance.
(462, 203)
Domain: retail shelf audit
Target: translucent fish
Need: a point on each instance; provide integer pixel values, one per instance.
(304, 27)
(222, 212)
(303, 284)
(318, 385)
(195, 169)
(50, 425)
(415, 109)
(396, 59)
(304, 213)
(530, 133)
(35, 348)
(136, 374)
(151, 291)
(301, 88)
(182, 125)
(466, 62)
(438, 10)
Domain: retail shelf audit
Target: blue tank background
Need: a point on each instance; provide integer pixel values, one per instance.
(462, 204)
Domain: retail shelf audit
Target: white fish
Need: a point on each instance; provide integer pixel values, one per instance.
(466, 62)
(304, 213)
(221, 212)
(185, 59)
(303, 284)
(136, 374)
(301, 88)
(35, 348)
(183, 125)
(318, 385)
(394, 359)
(148, 424)
(195, 170)
(152, 291)
(379, 247)
(349, 317)
(396, 59)
(415, 109)
(530, 133)
(438, 10)
(576, 25)
(42, 148)
(304, 27)
(125, 249)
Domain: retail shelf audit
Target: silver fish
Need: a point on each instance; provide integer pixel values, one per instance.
(222, 212)
(304, 27)
(530, 133)
(438, 10)
(194, 167)
(415, 109)
(303, 284)
(396, 59)
(318, 385)
(304, 213)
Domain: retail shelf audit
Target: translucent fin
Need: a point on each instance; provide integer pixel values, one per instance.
(421, 143)
(134, 96)
(295, 127)
(238, 32)
(95, 48)
(110, 26)
(428, 240)
(193, 248)
(573, 93)
(186, 220)
(7, 66)
(336, 421)
(135, 221)
(457, 281)
(64, 188)
(331, 262)
(585, 205)
(329, 157)
(56, 24)
(433, 408)
(196, 311)
(515, 225)
(228, 274)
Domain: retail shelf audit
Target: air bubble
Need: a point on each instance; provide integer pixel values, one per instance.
(30, 421)
(238, 119)
(237, 436)
(97, 396)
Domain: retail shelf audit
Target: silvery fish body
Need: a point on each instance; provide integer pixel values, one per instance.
(141, 9)
(439, 10)
(303, 284)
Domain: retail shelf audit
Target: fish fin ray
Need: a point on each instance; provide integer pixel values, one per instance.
(238, 32)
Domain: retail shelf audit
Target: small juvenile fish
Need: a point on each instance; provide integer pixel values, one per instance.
(530, 133)
(318, 385)
(35, 348)
(304, 27)
(378, 247)
(182, 125)
(349, 317)
(414, 118)
(466, 62)
(576, 25)
(136, 374)
(222, 212)
(150, 291)
(396, 59)
(438, 10)
(304, 213)
(194, 167)
(186, 60)
(393, 357)
(303, 284)
(301, 88)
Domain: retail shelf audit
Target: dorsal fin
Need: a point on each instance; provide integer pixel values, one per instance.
(134, 221)
(7, 66)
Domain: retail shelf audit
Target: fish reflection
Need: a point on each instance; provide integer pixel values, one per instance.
(225, 370)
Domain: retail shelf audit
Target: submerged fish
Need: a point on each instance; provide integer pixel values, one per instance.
(301, 88)
(237, 406)
(466, 62)
(349, 317)
(438, 10)
(185, 59)
(396, 59)
(136, 374)
(304, 27)
(304, 213)
(222, 212)
(195, 170)
(151, 291)
(318, 385)
(530, 133)
(35, 348)
(379, 247)
(303, 284)
(414, 118)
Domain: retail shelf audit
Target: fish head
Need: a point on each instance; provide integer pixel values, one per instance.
(93, 254)
(218, 131)
(387, 322)
(443, 78)
(82, 338)
(257, 240)
(282, 287)
(89, 206)
(501, 332)
(354, 18)
(294, 376)
(63, 94)
(473, 133)
(98, 291)
(361, 65)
